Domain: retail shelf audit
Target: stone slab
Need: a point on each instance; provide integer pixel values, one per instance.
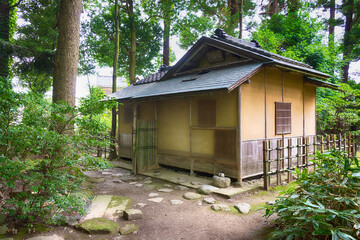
(156, 200)
(97, 207)
(128, 228)
(133, 214)
(116, 207)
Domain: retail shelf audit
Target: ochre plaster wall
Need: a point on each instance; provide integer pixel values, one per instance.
(123, 127)
(253, 108)
(173, 125)
(310, 109)
(147, 111)
(293, 93)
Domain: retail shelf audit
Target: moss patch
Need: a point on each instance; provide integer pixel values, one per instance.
(98, 225)
(120, 201)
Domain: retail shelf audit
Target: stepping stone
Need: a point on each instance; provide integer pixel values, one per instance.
(166, 190)
(167, 185)
(209, 200)
(128, 228)
(3, 229)
(147, 181)
(118, 174)
(191, 196)
(157, 174)
(176, 202)
(153, 194)
(116, 207)
(243, 208)
(147, 178)
(117, 181)
(221, 182)
(98, 225)
(138, 185)
(98, 207)
(195, 183)
(133, 214)
(149, 187)
(156, 200)
(220, 207)
(206, 189)
(52, 237)
(95, 179)
(181, 188)
(140, 205)
(133, 183)
(106, 173)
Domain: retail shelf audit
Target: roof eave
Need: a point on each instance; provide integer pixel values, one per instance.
(319, 83)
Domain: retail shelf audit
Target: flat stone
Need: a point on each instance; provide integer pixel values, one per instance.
(129, 178)
(206, 189)
(149, 187)
(133, 183)
(141, 205)
(98, 225)
(117, 181)
(191, 196)
(147, 178)
(181, 188)
(176, 202)
(167, 185)
(166, 190)
(243, 208)
(133, 214)
(51, 237)
(118, 174)
(98, 207)
(116, 207)
(209, 200)
(95, 179)
(195, 183)
(147, 181)
(138, 185)
(270, 202)
(157, 174)
(220, 207)
(128, 228)
(3, 229)
(106, 173)
(156, 200)
(221, 182)
(153, 194)
(2, 218)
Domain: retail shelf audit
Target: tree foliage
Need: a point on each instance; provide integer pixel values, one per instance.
(40, 163)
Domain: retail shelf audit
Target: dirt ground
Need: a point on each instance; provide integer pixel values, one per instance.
(190, 220)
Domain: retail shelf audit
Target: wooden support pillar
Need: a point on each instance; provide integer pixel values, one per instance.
(266, 164)
(289, 177)
(135, 117)
(238, 140)
(191, 152)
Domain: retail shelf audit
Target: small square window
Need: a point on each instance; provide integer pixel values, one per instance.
(282, 118)
(207, 113)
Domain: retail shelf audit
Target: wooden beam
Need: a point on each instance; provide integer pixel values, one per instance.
(239, 140)
(191, 154)
(134, 139)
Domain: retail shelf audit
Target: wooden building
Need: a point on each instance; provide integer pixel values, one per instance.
(211, 111)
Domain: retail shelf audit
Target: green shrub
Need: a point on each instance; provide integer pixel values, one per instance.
(42, 145)
(326, 203)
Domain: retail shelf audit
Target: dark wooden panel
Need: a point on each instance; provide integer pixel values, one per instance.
(207, 112)
(225, 144)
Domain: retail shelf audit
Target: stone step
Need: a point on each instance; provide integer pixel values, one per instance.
(98, 207)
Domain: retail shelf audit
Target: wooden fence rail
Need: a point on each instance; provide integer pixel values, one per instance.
(283, 155)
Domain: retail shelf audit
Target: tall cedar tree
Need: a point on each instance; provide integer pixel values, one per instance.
(67, 51)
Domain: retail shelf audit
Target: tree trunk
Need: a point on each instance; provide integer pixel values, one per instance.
(67, 51)
(4, 36)
(347, 45)
(167, 23)
(331, 43)
(113, 154)
(274, 7)
(132, 56)
(240, 5)
(232, 21)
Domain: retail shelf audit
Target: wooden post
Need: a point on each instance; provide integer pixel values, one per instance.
(303, 151)
(265, 165)
(191, 155)
(328, 142)
(134, 139)
(322, 144)
(239, 140)
(298, 154)
(315, 149)
(278, 156)
(307, 152)
(289, 177)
